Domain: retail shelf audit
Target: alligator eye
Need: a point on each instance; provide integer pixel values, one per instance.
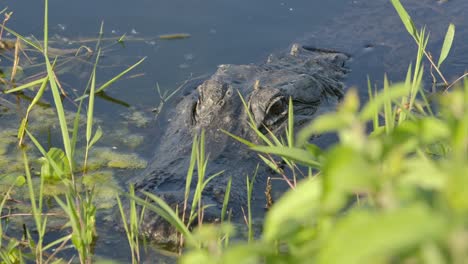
(276, 108)
(275, 113)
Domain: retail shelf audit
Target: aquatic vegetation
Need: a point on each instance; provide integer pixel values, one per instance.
(105, 187)
(114, 159)
(397, 194)
(175, 36)
(137, 118)
(122, 136)
(132, 141)
(59, 177)
(7, 140)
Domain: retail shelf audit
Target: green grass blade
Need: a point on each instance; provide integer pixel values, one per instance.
(226, 199)
(27, 85)
(96, 137)
(290, 123)
(54, 165)
(163, 210)
(388, 113)
(118, 76)
(299, 155)
(46, 28)
(25, 40)
(395, 91)
(241, 140)
(252, 121)
(60, 111)
(37, 97)
(406, 19)
(89, 119)
(56, 93)
(447, 44)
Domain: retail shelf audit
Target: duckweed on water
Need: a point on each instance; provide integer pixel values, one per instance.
(7, 139)
(44, 118)
(133, 141)
(114, 159)
(137, 118)
(105, 188)
(122, 136)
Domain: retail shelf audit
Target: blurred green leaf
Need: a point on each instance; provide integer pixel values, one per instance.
(423, 173)
(361, 236)
(295, 208)
(395, 91)
(20, 181)
(345, 173)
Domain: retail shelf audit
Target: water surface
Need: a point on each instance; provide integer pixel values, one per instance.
(238, 32)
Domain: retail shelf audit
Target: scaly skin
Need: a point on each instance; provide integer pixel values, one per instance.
(311, 77)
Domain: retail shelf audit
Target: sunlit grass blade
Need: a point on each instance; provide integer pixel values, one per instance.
(226, 199)
(372, 107)
(252, 121)
(163, 210)
(60, 111)
(290, 130)
(131, 225)
(270, 164)
(447, 44)
(299, 155)
(205, 183)
(35, 208)
(89, 117)
(118, 76)
(43, 152)
(387, 107)
(249, 186)
(27, 85)
(25, 40)
(241, 140)
(24, 122)
(189, 177)
(406, 19)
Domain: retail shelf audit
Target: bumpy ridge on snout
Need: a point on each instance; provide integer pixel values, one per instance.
(310, 77)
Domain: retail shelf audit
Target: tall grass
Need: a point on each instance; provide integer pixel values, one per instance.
(410, 173)
(76, 203)
(407, 175)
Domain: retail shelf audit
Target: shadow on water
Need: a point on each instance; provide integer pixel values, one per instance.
(238, 32)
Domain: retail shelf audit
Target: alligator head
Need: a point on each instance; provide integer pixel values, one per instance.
(310, 77)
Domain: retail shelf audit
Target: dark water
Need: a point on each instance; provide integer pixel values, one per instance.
(238, 32)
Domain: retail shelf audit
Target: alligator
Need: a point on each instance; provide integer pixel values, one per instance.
(311, 77)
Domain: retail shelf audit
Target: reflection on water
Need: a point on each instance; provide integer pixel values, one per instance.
(225, 31)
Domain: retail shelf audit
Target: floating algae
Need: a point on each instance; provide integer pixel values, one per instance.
(105, 188)
(7, 139)
(137, 118)
(114, 159)
(44, 118)
(132, 141)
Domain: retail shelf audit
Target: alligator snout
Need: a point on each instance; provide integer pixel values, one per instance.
(226, 101)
